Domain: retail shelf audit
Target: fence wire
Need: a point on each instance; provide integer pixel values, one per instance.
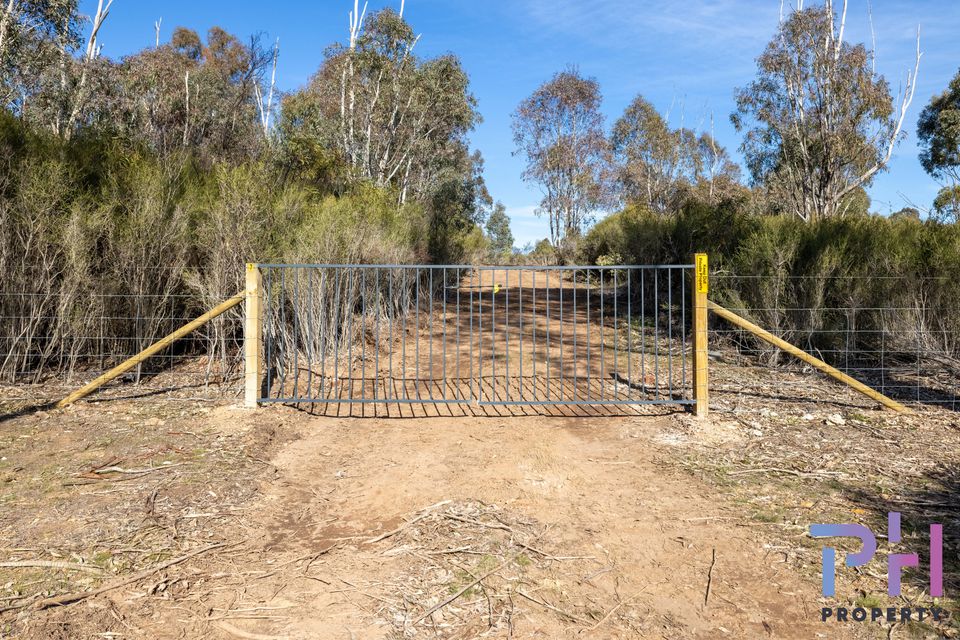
(51, 343)
(896, 334)
(502, 336)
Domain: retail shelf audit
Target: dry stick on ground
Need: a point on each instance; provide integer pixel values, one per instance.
(462, 591)
(51, 564)
(423, 514)
(790, 472)
(503, 527)
(77, 596)
(246, 635)
(549, 606)
(614, 610)
(713, 562)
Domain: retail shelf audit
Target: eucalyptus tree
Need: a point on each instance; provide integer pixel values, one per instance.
(560, 131)
(660, 167)
(498, 230)
(939, 133)
(34, 36)
(394, 118)
(819, 122)
(191, 93)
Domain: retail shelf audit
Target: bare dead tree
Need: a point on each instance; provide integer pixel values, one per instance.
(98, 19)
(266, 109)
(156, 28)
(6, 21)
(92, 52)
(186, 117)
(348, 95)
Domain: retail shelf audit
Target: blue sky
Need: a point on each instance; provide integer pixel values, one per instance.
(688, 55)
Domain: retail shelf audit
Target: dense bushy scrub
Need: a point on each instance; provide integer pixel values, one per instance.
(106, 246)
(838, 286)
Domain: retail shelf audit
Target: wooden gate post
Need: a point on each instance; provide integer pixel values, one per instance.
(252, 337)
(701, 286)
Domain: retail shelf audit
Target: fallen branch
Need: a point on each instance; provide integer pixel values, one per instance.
(549, 606)
(789, 472)
(713, 562)
(246, 635)
(423, 514)
(137, 471)
(77, 596)
(462, 591)
(51, 564)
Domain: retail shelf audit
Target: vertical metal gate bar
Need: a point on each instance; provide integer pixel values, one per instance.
(430, 329)
(561, 362)
(295, 333)
(656, 333)
(283, 325)
(479, 336)
(616, 335)
(311, 336)
(630, 393)
(520, 300)
(493, 336)
(669, 333)
(391, 337)
(416, 334)
(576, 322)
(405, 301)
(603, 338)
(325, 335)
(444, 363)
(459, 377)
(335, 333)
(533, 321)
(506, 333)
(546, 339)
(351, 335)
(376, 357)
(643, 331)
(586, 338)
(269, 331)
(683, 333)
(363, 340)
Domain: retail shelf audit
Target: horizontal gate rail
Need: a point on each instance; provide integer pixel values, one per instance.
(505, 336)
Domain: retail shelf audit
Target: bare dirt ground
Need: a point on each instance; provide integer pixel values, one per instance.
(358, 528)
(153, 518)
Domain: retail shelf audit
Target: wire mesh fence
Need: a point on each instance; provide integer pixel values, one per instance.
(491, 336)
(51, 343)
(897, 334)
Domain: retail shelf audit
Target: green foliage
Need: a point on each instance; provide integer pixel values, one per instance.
(543, 253)
(807, 282)
(939, 132)
(559, 129)
(498, 229)
(818, 121)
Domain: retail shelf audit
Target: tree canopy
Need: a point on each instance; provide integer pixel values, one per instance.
(819, 122)
(939, 132)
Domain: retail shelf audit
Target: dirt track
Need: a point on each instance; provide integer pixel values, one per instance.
(623, 539)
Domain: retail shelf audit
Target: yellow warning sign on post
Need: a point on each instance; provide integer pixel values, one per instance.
(703, 273)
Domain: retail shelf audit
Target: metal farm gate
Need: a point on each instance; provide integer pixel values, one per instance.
(487, 335)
